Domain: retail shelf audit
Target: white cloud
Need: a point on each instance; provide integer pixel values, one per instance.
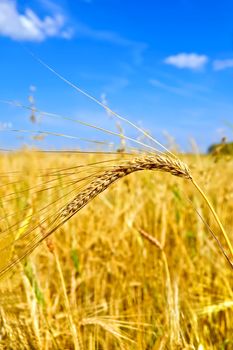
(223, 64)
(187, 60)
(105, 35)
(173, 89)
(50, 5)
(137, 48)
(182, 88)
(28, 26)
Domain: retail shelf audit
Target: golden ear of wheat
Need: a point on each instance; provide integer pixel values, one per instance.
(98, 185)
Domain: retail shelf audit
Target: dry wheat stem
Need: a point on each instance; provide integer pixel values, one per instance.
(216, 218)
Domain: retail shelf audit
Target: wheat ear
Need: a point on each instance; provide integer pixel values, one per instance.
(98, 185)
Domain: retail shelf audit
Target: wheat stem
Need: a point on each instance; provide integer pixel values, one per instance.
(215, 215)
(77, 345)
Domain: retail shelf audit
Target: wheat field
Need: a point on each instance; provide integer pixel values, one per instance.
(136, 268)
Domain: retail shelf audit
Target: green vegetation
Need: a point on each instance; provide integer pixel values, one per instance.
(221, 148)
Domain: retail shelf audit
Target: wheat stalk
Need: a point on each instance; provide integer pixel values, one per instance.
(154, 162)
(29, 241)
(101, 182)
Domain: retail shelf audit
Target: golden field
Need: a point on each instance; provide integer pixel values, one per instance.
(98, 282)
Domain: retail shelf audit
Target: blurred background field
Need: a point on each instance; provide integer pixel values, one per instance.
(97, 283)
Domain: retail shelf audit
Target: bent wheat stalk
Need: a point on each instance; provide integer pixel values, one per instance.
(156, 162)
(29, 240)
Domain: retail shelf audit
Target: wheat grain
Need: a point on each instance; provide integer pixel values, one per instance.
(98, 185)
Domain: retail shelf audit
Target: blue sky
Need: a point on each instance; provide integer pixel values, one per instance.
(165, 65)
